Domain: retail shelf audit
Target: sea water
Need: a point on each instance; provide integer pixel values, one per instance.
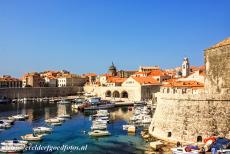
(73, 132)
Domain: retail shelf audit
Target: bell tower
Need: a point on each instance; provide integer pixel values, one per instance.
(185, 67)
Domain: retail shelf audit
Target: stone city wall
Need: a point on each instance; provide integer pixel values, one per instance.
(217, 61)
(187, 117)
(39, 92)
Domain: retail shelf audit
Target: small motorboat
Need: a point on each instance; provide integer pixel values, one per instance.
(99, 133)
(98, 126)
(125, 127)
(14, 142)
(64, 116)
(32, 137)
(6, 120)
(181, 150)
(100, 121)
(4, 125)
(56, 123)
(42, 130)
(53, 120)
(12, 149)
(20, 117)
(63, 101)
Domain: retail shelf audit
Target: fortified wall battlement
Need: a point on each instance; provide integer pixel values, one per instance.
(189, 117)
(39, 92)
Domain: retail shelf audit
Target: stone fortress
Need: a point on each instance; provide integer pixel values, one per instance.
(191, 117)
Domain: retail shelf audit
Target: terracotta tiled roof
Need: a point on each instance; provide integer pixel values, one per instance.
(116, 80)
(220, 44)
(8, 78)
(184, 84)
(157, 73)
(146, 80)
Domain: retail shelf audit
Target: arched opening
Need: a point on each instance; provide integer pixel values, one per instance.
(169, 134)
(124, 94)
(199, 139)
(108, 93)
(116, 94)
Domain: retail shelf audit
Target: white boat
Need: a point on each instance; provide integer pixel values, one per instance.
(20, 117)
(12, 149)
(98, 126)
(14, 142)
(100, 121)
(61, 119)
(4, 125)
(146, 120)
(98, 133)
(63, 101)
(42, 130)
(56, 124)
(8, 121)
(52, 120)
(32, 137)
(101, 115)
(64, 116)
(181, 150)
(125, 127)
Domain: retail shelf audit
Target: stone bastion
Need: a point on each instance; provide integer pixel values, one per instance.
(190, 117)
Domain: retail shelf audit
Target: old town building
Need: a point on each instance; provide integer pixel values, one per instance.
(7, 81)
(33, 80)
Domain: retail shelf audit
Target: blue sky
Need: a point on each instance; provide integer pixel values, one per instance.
(87, 35)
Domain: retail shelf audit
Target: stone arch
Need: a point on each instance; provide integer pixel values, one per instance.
(116, 94)
(199, 139)
(124, 94)
(108, 93)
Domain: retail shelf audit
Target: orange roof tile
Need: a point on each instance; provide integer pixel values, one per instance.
(184, 84)
(146, 80)
(116, 80)
(157, 73)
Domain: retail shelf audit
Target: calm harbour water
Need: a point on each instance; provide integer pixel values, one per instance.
(72, 132)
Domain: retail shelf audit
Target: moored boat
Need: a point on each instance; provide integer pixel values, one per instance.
(4, 125)
(14, 142)
(53, 120)
(20, 117)
(42, 130)
(64, 116)
(96, 126)
(12, 149)
(99, 133)
(32, 137)
(63, 101)
(56, 123)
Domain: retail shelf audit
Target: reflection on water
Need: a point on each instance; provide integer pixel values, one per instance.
(71, 132)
